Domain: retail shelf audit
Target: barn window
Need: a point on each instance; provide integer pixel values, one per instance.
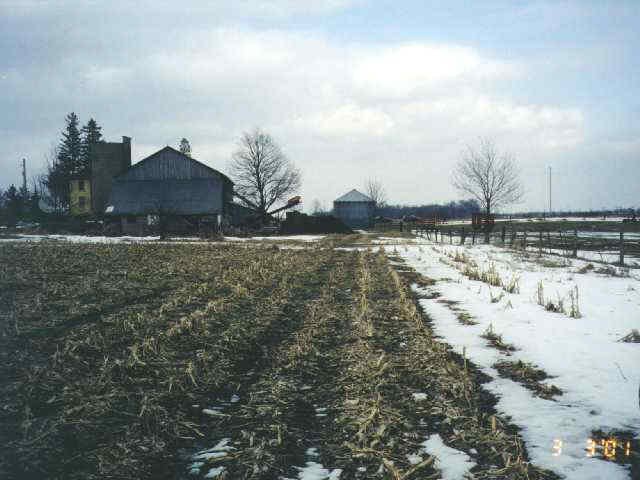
(81, 185)
(82, 201)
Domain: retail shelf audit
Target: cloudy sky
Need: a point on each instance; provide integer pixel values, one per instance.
(351, 89)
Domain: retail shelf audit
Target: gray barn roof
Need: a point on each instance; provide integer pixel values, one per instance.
(170, 163)
(181, 197)
(354, 196)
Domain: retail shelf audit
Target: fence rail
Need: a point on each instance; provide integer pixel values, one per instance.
(609, 247)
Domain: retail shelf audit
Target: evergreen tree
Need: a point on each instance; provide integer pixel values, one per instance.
(70, 150)
(13, 205)
(66, 163)
(91, 133)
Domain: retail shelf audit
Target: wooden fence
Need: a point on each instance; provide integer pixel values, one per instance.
(611, 247)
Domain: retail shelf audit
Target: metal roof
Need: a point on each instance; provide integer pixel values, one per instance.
(177, 154)
(354, 196)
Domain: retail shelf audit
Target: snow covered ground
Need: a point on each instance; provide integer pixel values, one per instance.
(552, 219)
(128, 239)
(76, 238)
(598, 375)
(275, 238)
(602, 256)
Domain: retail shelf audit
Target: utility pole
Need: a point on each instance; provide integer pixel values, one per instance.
(24, 176)
(549, 190)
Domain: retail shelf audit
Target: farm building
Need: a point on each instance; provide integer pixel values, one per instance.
(80, 196)
(169, 185)
(89, 193)
(355, 209)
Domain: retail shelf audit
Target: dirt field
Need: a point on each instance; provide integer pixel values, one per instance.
(231, 361)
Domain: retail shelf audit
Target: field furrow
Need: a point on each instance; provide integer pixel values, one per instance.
(234, 362)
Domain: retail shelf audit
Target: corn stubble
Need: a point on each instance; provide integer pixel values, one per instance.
(324, 348)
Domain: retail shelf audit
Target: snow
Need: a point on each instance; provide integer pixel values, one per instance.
(194, 468)
(130, 239)
(419, 397)
(213, 411)
(315, 471)
(550, 219)
(278, 238)
(598, 375)
(79, 239)
(219, 451)
(452, 463)
(214, 472)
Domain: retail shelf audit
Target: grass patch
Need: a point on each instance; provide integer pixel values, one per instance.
(465, 318)
(496, 341)
(529, 376)
(570, 308)
(633, 337)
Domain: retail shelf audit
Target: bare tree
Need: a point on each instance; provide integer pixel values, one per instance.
(376, 192)
(317, 208)
(491, 177)
(263, 175)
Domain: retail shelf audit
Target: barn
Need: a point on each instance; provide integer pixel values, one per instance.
(355, 209)
(169, 185)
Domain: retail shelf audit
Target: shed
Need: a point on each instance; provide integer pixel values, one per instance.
(355, 209)
(169, 183)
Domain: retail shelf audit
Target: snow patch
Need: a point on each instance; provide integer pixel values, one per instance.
(215, 472)
(598, 376)
(452, 463)
(315, 471)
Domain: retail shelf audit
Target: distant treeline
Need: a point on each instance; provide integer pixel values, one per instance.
(459, 209)
(613, 212)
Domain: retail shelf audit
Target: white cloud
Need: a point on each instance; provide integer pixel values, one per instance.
(399, 113)
(348, 120)
(408, 69)
(283, 8)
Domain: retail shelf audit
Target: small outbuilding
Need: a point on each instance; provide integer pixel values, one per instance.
(169, 185)
(355, 209)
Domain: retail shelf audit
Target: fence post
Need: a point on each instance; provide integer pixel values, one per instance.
(524, 240)
(462, 236)
(473, 237)
(621, 248)
(504, 233)
(450, 238)
(540, 245)
(514, 234)
(575, 243)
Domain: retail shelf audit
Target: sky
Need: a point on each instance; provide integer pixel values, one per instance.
(350, 89)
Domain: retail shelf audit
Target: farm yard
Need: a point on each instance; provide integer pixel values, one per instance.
(306, 358)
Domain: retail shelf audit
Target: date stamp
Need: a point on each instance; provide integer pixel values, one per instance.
(613, 448)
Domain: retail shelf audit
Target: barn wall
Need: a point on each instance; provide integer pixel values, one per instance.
(198, 196)
(354, 214)
(171, 182)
